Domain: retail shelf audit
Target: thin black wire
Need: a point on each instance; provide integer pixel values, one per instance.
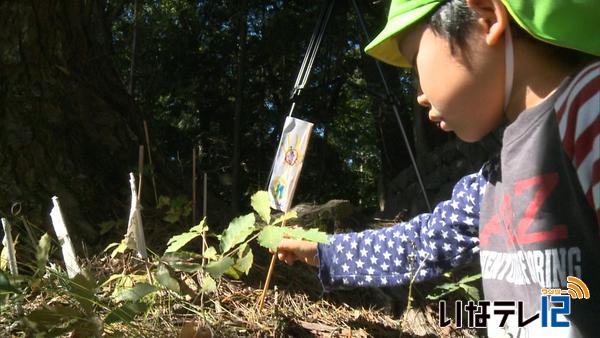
(395, 108)
(309, 58)
(311, 53)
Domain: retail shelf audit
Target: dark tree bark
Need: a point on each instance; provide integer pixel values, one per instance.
(66, 116)
(239, 101)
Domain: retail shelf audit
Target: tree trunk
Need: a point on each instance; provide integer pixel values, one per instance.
(65, 114)
(239, 100)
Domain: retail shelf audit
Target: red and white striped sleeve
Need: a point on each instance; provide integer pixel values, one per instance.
(578, 114)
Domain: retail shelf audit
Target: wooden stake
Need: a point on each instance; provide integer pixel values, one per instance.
(204, 244)
(205, 198)
(194, 186)
(261, 301)
(150, 161)
(10, 247)
(140, 170)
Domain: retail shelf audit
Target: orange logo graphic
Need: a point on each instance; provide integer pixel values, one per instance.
(577, 288)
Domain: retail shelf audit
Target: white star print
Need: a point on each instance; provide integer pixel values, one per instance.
(387, 255)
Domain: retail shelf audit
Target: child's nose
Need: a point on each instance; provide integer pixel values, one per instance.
(423, 101)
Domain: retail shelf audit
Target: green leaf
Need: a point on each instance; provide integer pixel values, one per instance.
(5, 285)
(245, 263)
(120, 248)
(163, 201)
(237, 231)
(442, 290)
(233, 273)
(200, 227)
(125, 313)
(287, 216)
(471, 278)
(183, 261)
(135, 293)
(270, 236)
(111, 279)
(312, 235)
(262, 205)
(45, 318)
(164, 278)
(172, 216)
(218, 268)
(471, 291)
(211, 253)
(208, 284)
(106, 227)
(84, 291)
(186, 266)
(178, 241)
(42, 252)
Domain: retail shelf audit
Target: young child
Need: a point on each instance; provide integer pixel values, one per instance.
(532, 212)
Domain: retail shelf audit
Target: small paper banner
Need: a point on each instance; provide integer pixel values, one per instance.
(288, 162)
(135, 229)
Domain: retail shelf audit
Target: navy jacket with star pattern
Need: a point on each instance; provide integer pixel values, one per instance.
(427, 245)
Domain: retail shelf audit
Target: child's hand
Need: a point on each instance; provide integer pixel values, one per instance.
(291, 250)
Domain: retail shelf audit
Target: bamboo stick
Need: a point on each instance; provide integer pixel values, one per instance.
(205, 199)
(194, 186)
(150, 161)
(261, 301)
(140, 170)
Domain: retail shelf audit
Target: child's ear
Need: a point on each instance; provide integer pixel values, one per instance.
(493, 18)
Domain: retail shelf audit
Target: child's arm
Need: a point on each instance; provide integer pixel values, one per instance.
(427, 245)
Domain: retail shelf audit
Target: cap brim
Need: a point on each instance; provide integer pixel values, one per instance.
(385, 47)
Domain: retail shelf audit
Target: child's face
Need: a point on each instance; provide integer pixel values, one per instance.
(464, 88)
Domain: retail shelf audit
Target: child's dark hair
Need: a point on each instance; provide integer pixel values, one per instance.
(453, 19)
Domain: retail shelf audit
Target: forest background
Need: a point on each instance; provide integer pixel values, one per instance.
(78, 79)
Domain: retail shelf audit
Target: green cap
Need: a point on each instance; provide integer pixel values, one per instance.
(570, 24)
(402, 15)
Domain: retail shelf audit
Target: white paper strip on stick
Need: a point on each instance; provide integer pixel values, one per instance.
(9, 244)
(288, 162)
(64, 239)
(135, 229)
